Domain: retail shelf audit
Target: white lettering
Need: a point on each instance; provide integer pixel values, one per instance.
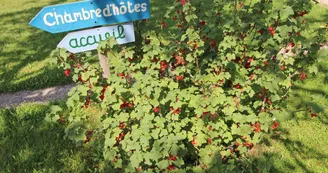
(93, 12)
(107, 12)
(137, 8)
(53, 18)
(115, 9)
(59, 17)
(123, 8)
(77, 15)
(129, 7)
(46, 21)
(68, 18)
(98, 12)
(143, 7)
(86, 14)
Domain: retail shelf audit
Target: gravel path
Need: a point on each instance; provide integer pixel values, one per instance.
(323, 1)
(38, 96)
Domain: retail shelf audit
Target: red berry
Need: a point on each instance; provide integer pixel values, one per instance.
(193, 142)
(256, 126)
(272, 31)
(247, 144)
(291, 44)
(171, 167)
(67, 72)
(155, 60)
(237, 86)
(164, 65)
(209, 141)
(163, 24)
(275, 125)
(266, 63)
(124, 105)
(89, 133)
(122, 125)
(303, 76)
(172, 158)
(180, 60)
(178, 78)
(177, 111)
(314, 115)
(139, 169)
(102, 97)
(298, 33)
(282, 67)
(202, 23)
(157, 109)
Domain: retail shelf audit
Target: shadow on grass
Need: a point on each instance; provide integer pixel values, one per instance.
(24, 58)
(30, 144)
(297, 154)
(284, 154)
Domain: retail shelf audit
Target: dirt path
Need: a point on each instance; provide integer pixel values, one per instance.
(323, 1)
(38, 96)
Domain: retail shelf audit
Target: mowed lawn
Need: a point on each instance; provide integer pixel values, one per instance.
(29, 144)
(24, 50)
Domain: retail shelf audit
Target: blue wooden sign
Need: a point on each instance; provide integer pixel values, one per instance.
(90, 13)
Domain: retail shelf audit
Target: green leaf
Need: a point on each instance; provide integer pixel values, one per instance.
(286, 12)
(163, 164)
(173, 85)
(281, 115)
(135, 159)
(228, 110)
(76, 131)
(313, 69)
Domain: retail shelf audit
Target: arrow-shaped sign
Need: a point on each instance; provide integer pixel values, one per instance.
(86, 40)
(90, 13)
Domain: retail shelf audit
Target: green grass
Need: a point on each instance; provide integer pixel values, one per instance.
(29, 144)
(302, 145)
(24, 51)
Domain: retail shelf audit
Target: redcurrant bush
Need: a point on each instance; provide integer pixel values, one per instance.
(196, 93)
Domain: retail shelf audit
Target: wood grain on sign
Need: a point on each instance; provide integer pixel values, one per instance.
(86, 40)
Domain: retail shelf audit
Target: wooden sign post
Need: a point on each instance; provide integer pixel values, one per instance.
(91, 13)
(103, 60)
